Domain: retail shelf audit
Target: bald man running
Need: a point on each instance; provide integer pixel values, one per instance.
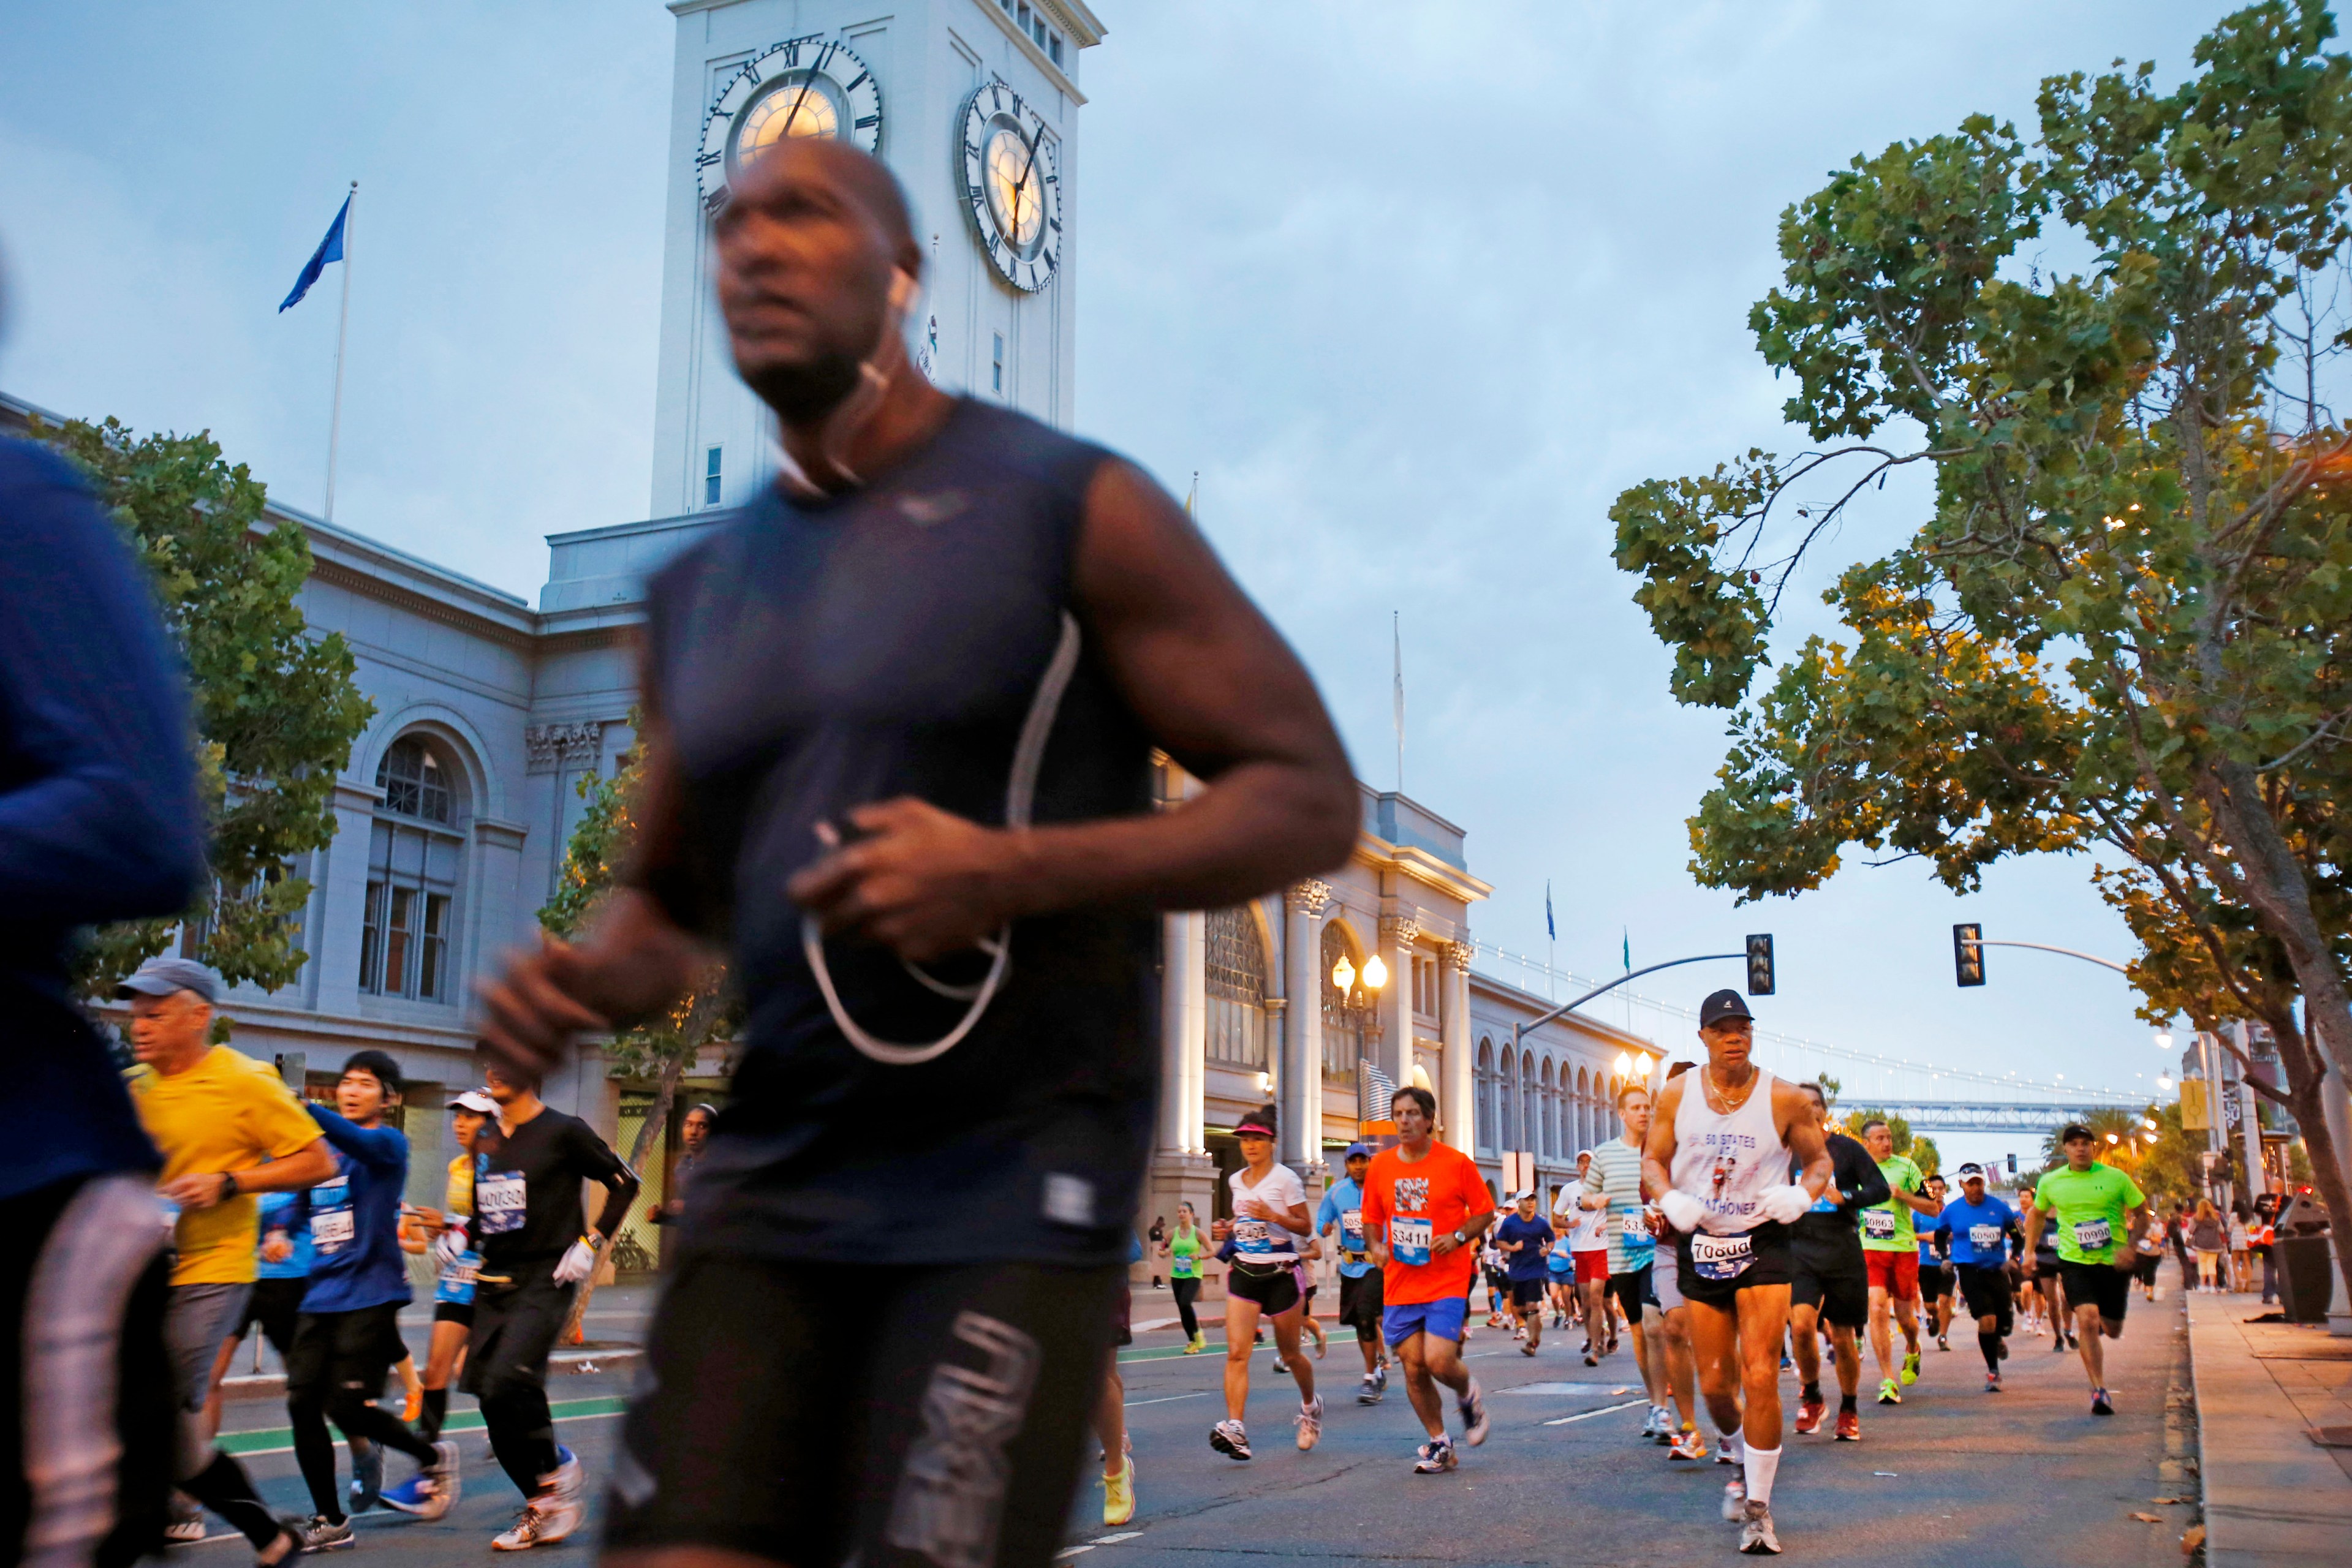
(838, 684)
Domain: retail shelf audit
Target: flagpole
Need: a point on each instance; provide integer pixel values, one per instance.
(342, 328)
(1396, 629)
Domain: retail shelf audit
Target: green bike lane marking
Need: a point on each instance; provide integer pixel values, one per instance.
(280, 1439)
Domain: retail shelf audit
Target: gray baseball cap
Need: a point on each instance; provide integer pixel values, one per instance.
(162, 977)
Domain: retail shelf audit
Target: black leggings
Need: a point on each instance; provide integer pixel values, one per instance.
(1187, 1292)
(334, 1371)
(515, 1328)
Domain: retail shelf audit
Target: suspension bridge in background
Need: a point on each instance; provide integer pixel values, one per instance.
(1932, 1096)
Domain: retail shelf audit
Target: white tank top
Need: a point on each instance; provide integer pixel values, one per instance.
(1724, 1161)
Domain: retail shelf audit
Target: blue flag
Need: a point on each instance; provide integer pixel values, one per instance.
(330, 249)
(1549, 929)
(1626, 932)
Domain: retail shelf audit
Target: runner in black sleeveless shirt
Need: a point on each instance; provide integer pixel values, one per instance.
(835, 1372)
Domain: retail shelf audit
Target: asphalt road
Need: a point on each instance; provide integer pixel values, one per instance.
(1952, 1476)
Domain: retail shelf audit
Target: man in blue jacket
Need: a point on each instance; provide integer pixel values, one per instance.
(348, 1336)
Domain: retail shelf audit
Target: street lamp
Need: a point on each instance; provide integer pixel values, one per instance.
(2113, 1138)
(2164, 1082)
(1343, 975)
(2148, 1121)
(2164, 1039)
(1646, 1065)
(1376, 973)
(1625, 1064)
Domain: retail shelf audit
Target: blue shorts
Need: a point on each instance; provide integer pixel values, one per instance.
(1443, 1318)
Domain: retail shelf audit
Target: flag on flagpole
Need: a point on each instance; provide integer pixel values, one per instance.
(1550, 930)
(1396, 630)
(1629, 948)
(330, 249)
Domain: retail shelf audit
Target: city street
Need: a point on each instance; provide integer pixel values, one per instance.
(1953, 1476)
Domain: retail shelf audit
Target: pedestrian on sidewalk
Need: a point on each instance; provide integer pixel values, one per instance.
(2264, 1239)
(2206, 1239)
(2241, 1273)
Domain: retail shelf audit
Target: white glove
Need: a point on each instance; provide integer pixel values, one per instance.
(577, 1264)
(1785, 1204)
(450, 1243)
(1682, 1211)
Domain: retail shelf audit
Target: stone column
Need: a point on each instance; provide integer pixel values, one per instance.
(1397, 938)
(1457, 1095)
(1173, 1014)
(1185, 1026)
(1302, 1034)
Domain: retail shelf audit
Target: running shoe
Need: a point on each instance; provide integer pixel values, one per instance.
(184, 1529)
(1434, 1457)
(2001, 1349)
(1943, 1342)
(532, 1527)
(1472, 1408)
(1809, 1411)
(1688, 1445)
(1369, 1393)
(367, 1476)
(1590, 1359)
(1886, 1392)
(433, 1491)
(1527, 1348)
(1652, 1423)
(322, 1535)
(1910, 1367)
(1227, 1437)
(1280, 1365)
(1756, 1538)
(2058, 1346)
(409, 1496)
(1735, 1501)
(554, 1513)
(1196, 1345)
(1118, 1493)
(1993, 1383)
(1849, 1426)
(1309, 1422)
(2100, 1404)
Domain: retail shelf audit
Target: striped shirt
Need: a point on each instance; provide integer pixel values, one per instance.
(1616, 1174)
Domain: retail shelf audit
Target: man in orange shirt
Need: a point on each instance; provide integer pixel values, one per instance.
(1425, 1206)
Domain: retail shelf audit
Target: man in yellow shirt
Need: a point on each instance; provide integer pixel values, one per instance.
(226, 1128)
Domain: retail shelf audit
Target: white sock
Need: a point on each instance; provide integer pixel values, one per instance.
(1729, 1443)
(1762, 1465)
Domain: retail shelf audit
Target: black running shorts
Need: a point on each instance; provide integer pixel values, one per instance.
(273, 1306)
(1831, 1277)
(2103, 1283)
(1360, 1303)
(458, 1313)
(1986, 1291)
(1275, 1289)
(897, 1416)
(1714, 1270)
(344, 1350)
(1632, 1289)
(1528, 1292)
(1934, 1280)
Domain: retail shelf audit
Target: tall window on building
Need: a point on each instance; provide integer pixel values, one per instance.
(1527, 1103)
(1236, 989)
(1485, 1092)
(1550, 1115)
(1507, 1125)
(413, 849)
(712, 472)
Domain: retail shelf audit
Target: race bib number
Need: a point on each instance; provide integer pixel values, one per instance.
(2091, 1235)
(1351, 1232)
(1408, 1241)
(456, 1282)
(331, 1224)
(1721, 1257)
(1985, 1238)
(1878, 1223)
(1634, 1224)
(498, 1202)
(1250, 1236)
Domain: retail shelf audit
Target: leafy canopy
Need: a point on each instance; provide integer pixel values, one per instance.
(275, 709)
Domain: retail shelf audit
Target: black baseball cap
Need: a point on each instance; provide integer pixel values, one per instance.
(2074, 1130)
(1972, 1172)
(1722, 1005)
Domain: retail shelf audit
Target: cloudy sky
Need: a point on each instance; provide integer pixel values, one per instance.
(1415, 290)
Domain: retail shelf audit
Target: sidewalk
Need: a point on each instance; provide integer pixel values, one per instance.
(2273, 1499)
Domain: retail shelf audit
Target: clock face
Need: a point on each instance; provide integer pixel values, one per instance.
(803, 86)
(1012, 185)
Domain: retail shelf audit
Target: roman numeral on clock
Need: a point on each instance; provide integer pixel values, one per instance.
(869, 120)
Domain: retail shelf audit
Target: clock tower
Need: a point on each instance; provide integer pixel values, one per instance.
(974, 106)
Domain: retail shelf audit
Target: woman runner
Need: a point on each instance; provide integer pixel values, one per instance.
(1269, 1211)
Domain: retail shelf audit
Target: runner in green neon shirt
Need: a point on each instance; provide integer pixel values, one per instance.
(2100, 1214)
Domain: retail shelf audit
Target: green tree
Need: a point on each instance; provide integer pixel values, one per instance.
(2122, 624)
(1920, 1148)
(275, 709)
(657, 1054)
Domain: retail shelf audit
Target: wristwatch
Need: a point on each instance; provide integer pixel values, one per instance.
(228, 1185)
(1460, 1240)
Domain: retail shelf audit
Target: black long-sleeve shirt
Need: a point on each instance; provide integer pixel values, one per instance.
(99, 817)
(1856, 1180)
(527, 1208)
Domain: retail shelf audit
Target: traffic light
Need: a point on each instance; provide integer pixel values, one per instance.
(1759, 966)
(2012, 1164)
(1967, 954)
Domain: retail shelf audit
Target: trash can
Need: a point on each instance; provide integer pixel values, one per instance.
(2307, 1273)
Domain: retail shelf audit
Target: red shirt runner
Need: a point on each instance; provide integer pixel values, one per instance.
(1413, 1203)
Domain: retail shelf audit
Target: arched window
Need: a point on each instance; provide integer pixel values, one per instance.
(1507, 1127)
(1584, 1139)
(1548, 1144)
(1528, 1102)
(410, 915)
(1349, 1025)
(1485, 1086)
(1235, 983)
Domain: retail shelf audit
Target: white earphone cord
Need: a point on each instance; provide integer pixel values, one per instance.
(1019, 797)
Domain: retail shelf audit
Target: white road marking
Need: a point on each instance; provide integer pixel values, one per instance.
(1204, 1393)
(1122, 1535)
(1589, 1415)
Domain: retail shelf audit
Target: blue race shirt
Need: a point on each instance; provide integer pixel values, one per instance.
(1978, 1230)
(276, 1211)
(354, 1218)
(1534, 1236)
(1343, 1205)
